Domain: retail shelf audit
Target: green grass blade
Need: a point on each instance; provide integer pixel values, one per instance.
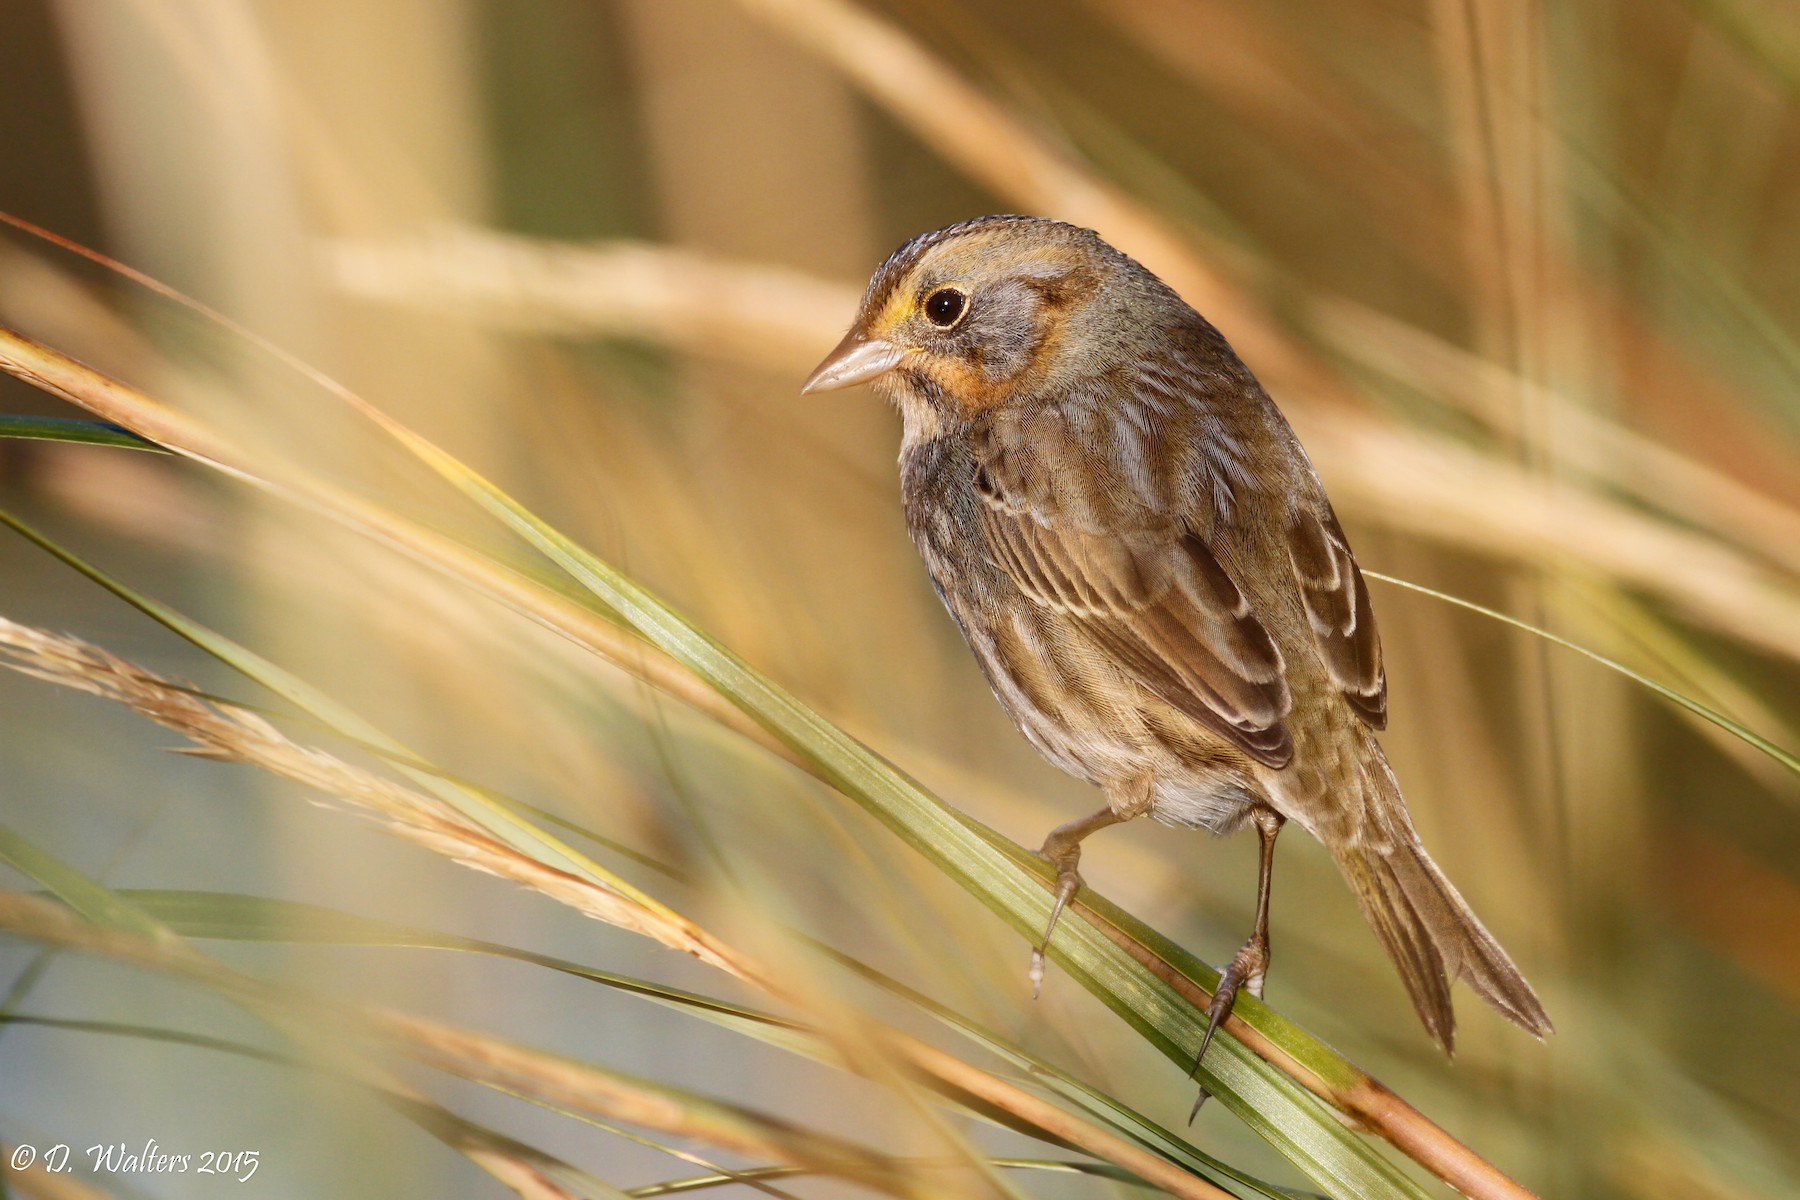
(73, 429)
(234, 916)
(91, 899)
(995, 870)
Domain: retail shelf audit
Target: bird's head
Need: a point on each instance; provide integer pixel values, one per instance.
(961, 320)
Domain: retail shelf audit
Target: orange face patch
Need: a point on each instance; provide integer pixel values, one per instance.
(1058, 274)
(963, 380)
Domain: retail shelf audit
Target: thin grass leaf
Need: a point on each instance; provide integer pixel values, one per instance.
(74, 381)
(1317, 1141)
(74, 429)
(701, 1183)
(1724, 722)
(1300, 1125)
(97, 903)
(254, 667)
(238, 917)
(231, 735)
(233, 916)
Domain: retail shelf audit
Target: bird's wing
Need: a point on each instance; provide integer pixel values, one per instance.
(1154, 598)
(1337, 608)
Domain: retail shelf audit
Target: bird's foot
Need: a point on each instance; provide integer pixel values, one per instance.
(1246, 972)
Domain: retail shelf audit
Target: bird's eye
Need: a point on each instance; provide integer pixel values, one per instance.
(945, 306)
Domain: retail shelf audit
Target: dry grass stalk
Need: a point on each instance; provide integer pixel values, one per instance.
(580, 1087)
(234, 735)
(778, 319)
(522, 1177)
(230, 735)
(630, 288)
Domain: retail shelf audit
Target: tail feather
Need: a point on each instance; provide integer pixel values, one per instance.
(1433, 937)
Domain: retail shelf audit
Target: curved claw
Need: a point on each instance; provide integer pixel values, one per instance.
(1202, 1098)
(1215, 1013)
(1246, 970)
(1068, 882)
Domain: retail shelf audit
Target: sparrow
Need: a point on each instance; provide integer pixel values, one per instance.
(1146, 566)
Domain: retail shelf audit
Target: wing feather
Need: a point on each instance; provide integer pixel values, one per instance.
(1337, 608)
(1158, 601)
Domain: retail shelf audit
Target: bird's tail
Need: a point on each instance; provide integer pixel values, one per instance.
(1431, 934)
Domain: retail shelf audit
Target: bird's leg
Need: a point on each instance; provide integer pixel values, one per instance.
(1063, 849)
(1251, 963)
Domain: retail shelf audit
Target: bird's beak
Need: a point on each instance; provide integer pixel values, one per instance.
(857, 359)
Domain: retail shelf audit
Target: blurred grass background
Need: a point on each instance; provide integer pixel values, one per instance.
(1525, 276)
